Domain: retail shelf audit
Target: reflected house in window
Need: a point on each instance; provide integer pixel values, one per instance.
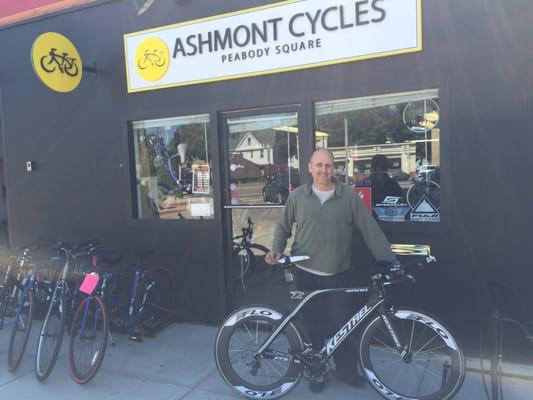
(263, 152)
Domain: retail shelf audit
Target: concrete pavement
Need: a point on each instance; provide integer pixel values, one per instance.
(178, 364)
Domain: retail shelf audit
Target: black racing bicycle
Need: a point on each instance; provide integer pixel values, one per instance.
(405, 354)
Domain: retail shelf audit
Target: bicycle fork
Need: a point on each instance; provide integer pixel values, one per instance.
(403, 350)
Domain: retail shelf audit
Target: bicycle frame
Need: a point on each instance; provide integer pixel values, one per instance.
(162, 152)
(376, 300)
(128, 314)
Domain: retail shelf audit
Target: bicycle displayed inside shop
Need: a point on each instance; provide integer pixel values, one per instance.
(162, 157)
(404, 353)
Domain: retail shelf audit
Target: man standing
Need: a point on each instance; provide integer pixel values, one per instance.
(325, 213)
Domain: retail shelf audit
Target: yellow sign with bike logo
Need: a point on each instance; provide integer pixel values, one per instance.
(152, 59)
(56, 62)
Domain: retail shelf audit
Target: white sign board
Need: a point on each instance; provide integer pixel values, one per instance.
(284, 36)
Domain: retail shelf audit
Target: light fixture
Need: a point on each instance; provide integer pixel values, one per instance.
(142, 5)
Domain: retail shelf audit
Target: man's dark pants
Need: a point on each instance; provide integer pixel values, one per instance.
(326, 314)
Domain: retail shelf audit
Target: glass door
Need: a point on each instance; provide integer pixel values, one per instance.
(262, 162)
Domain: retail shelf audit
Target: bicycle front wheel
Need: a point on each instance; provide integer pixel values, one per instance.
(156, 300)
(240, 336)
(431, 367)
(21, 330)
(243, 263)
(88, 339)
(51, 336)
(3, 303)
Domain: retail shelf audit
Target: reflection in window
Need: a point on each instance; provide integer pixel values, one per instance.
(388, 148)
(173, 168)
(263, 157)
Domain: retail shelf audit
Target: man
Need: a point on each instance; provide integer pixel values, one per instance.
(325, 213)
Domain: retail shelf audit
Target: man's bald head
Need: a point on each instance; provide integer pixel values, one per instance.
(321, 151)
(321, 168)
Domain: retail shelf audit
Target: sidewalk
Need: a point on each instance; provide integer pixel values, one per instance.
(177, 364)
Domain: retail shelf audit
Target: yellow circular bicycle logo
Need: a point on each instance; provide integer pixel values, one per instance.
(56, 62)
(152, 59)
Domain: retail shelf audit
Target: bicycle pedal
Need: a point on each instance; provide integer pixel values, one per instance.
(135, 338)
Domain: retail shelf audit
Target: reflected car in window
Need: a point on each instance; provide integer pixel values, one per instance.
(278, 187)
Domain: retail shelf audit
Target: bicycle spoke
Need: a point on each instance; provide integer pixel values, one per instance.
(427, 343)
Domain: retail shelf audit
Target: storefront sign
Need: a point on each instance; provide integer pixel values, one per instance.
(285, 36)
(56, 62)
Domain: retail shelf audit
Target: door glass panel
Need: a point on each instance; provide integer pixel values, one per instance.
(263, 158)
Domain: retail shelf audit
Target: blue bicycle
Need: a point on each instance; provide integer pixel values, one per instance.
(146, 305)
(162, 158)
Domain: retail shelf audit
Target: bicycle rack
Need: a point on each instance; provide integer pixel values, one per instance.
(498, 321)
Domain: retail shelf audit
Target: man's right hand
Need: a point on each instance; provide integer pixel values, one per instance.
(272, 257)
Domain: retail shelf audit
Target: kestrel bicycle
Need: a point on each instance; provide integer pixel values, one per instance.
(405, 354)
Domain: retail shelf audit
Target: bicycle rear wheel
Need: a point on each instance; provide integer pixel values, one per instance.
(433, 367)
(51, 336)
(21, 330)
(88, 339)
(156, 300)
(240, 336)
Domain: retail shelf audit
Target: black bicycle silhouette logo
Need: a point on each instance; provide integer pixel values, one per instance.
(62, 62)
(152, 59)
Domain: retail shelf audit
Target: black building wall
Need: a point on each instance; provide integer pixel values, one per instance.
(477, 53)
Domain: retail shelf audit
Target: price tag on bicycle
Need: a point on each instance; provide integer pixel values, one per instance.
(89, 284)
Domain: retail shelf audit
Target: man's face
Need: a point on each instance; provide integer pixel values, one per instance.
(321, 167)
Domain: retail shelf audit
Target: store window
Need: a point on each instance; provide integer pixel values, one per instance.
(388, 149)
(173, 169)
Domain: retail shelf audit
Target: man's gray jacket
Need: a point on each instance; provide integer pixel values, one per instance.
(324, 232)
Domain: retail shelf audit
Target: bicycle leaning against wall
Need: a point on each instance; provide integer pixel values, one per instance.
(404, 353)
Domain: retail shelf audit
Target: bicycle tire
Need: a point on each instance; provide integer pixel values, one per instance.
(229, 353)
(429, 189)
(23, 318)
(428, 344)
(242, 261)
(3, 304)
(262, 272)
(90, 314)
(43, 64)
(155, 300)
(51, 336)
(74, 66)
